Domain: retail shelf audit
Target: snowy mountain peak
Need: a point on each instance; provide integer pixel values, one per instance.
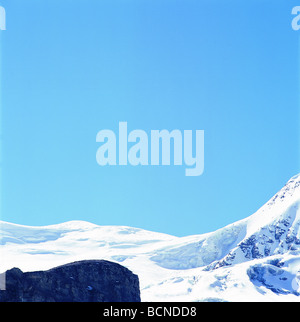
(289, 191)
(273, 229)
(255, 258)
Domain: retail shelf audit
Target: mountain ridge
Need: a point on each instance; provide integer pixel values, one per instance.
(179, 268)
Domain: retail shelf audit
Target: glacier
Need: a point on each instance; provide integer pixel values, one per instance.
(254, 259)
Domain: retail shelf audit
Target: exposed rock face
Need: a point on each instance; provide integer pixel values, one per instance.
(83, 281)
(273, 275)
(274, 229)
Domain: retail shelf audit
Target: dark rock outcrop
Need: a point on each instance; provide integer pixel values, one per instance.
(83, 281)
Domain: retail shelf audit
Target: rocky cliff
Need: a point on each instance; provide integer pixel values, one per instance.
(83, 281)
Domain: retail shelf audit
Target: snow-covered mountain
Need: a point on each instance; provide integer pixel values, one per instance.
(255, 259)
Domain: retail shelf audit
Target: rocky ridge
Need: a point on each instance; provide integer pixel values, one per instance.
(82, 281)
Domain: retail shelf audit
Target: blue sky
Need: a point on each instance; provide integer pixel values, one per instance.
(72, 68)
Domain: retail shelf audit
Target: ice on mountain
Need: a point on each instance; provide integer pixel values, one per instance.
(257, 258)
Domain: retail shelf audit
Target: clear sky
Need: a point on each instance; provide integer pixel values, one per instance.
(72, 68)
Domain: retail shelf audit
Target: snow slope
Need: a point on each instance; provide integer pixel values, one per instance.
(255, 259)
